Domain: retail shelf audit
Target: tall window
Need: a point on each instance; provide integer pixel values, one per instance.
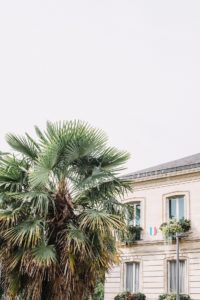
(176, 207)
(172, 276)
(132, 277)
(134, 214)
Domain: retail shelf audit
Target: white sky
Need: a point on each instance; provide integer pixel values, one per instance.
(131, 68)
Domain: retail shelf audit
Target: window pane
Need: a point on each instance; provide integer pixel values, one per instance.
(136, 287)
(182, 276)
(137, 214)
(132, 277)
(181, 208)
(176, 207)
(172, 276)
(134, 214)
(129, 277)
(131, 216)
(172, 208)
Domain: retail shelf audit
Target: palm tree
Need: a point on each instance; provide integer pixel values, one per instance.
(59, 215)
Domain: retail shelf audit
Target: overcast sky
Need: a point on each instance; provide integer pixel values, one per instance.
(131, 68)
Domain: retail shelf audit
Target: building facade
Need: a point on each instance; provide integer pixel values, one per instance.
(161, 193)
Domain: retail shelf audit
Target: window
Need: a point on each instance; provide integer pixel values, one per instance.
(134, 215)
(132, 277)
(172, 276)
(176, 207)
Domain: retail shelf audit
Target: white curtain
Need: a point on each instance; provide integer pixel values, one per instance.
(129, 277)
(182, 276)
(132, 277)
(136, 285)
(172, 276)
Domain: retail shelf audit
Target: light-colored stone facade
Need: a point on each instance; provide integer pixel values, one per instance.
(152, 252)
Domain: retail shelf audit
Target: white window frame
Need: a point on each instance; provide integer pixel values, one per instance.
(134, 204)
(142, 201)
(165, 212)
(177, 206)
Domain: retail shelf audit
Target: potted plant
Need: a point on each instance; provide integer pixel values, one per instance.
(172, 296)
(131, 234)
(130, 296)
(170, 229)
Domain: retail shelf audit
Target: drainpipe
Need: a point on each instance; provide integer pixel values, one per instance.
(177, 266)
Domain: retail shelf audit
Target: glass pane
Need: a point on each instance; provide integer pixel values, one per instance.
(181, 208)
(136, 285)
(129, 277)
(134, 214)
(172, 276)
(182, 276)
(131, 215)
(172, 208)
(137, 214)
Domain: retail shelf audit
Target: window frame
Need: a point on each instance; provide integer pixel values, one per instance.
(142, 211)
(133, 221)
(125, 274)
(177, 198)
(185, 274)
(165, 210)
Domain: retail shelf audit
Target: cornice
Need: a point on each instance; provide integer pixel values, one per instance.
(142, 243)
(167, 179)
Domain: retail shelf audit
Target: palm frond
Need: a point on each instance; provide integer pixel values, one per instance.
(76, 240)
(39, 177)
(100, 220)
(44, 256)
(113, 159)
(72, 140)
(14, 260)
(96, 179)
(41, 136)
(25, 145)
(26, 234)
(103, 192)
(9, 217)
(38, 201)
(39, 261)
(13, 174)
(13, 286)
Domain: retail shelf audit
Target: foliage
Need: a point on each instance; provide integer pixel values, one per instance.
(185, 225)
(131, 234)
(58, 212)
(170, 229)
(173, 297)
(98, 291)
(129, 296)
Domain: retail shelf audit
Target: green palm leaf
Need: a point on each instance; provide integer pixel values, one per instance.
(38, 200)
(44, 256)
(26, 234)
(41, 261)
(13, 174)
(25, 145)
(76, 241)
